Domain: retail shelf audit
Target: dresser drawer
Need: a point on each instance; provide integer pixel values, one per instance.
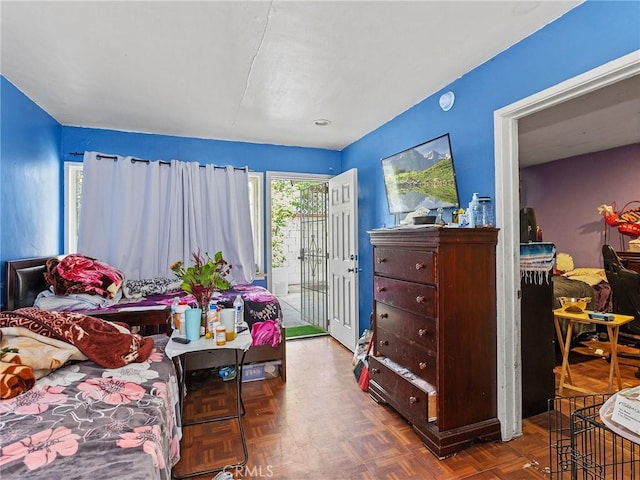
(418, 360)
(410, 326)
(405, 264)
(413, 403)
(416, 298)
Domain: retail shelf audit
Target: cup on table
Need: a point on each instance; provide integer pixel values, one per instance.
(192, 319)
(228, 319)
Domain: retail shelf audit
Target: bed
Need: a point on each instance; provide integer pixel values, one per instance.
(580, 283)
(540, 263)
(62, 416)
(592, 285)
(25, 280)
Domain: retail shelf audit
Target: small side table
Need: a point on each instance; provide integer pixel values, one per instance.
(239, 345)
(613, 327)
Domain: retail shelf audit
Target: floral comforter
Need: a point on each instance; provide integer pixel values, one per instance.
(86, 422)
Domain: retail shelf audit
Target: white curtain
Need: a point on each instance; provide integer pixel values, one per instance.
(142, 216)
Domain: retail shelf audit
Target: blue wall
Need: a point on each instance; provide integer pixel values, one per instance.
(258, 157)
(30, 179)
(34, 145)
(588, 36)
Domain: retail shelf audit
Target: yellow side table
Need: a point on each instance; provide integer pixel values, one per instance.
(613, 327)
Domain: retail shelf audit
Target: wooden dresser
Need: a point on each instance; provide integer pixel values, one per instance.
(435, 315)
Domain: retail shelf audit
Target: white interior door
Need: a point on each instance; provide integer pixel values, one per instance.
(343, 258)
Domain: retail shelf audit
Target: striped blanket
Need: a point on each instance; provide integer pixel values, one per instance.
(536, 262)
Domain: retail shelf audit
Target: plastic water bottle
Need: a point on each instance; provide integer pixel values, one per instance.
(238, 307)
(473, 211)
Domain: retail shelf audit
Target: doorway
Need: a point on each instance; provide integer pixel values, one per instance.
(507, 207)
(296, 250)
(313, 254)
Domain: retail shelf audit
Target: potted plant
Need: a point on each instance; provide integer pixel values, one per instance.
(205, 276)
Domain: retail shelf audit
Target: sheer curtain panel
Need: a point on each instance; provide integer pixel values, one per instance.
(141, 216)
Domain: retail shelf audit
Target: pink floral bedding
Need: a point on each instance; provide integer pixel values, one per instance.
(87, 422)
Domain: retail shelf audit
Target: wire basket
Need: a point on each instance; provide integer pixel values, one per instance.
(581, 447)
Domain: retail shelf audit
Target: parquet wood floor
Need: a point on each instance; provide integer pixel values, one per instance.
(320, 426)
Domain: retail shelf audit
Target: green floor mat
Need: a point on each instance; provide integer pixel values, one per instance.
(304, 331)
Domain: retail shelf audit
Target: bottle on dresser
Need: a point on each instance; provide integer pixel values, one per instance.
(473, 213)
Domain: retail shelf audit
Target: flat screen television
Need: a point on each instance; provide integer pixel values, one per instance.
(421, 176)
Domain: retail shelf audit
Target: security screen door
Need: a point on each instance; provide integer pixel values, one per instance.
(313, 254)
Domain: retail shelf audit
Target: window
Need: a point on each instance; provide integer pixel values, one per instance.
(72, 205)
(257, 215)
(72, 196)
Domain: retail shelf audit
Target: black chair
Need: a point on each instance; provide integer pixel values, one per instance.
(625, 288)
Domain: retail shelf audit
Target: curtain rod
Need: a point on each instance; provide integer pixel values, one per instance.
(161, 162)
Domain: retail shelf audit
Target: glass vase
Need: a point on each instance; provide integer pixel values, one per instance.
(204, 306)
(203, 297)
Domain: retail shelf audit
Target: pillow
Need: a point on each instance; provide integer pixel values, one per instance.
(150, 286)
(585, 271)
(564, 262)
(591, 276)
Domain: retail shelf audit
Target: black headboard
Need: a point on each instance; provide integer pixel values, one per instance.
(24, 281)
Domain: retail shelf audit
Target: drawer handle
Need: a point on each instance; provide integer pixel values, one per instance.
(384, 315)
(381, 289)
(420, 299)
(420, 266)
(422, 365)
(413, 400)
(374, 371)
(383, 343)
(380, 260)
(422, 332)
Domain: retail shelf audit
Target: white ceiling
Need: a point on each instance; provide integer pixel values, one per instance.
(253, 71)
(604, 119)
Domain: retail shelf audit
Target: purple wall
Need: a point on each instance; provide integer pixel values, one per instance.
(566, 194)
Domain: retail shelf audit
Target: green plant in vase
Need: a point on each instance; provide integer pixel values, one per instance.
(204, 277)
